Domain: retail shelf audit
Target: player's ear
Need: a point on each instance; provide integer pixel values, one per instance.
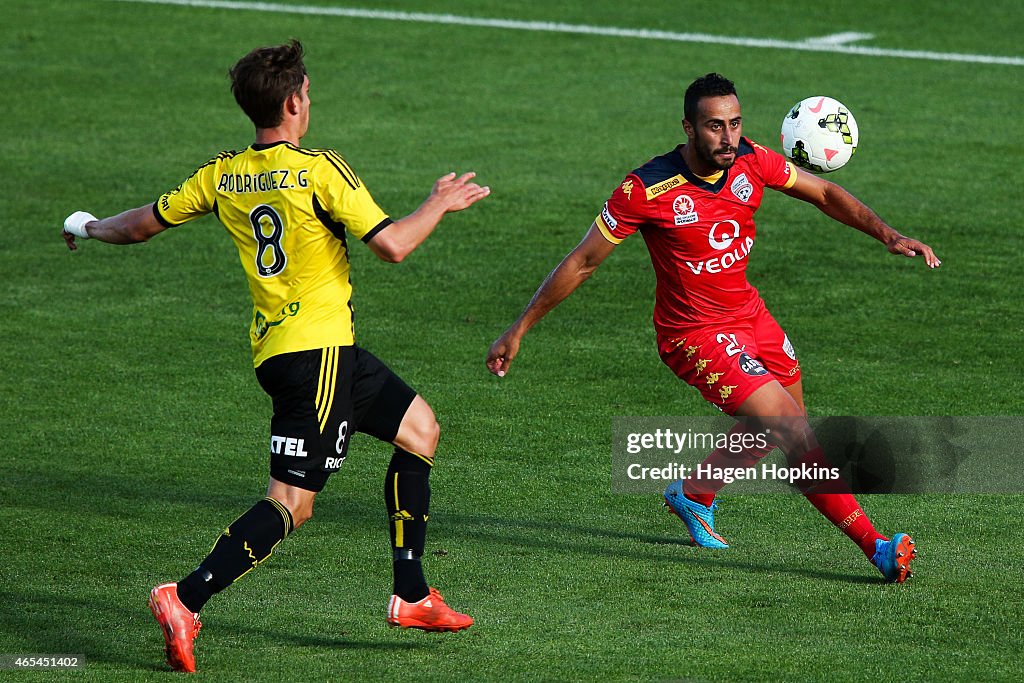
(687, 128)
(292, 104)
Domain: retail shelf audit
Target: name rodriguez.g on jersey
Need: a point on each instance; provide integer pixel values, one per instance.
(264, 181)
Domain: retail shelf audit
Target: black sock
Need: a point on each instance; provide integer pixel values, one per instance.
(407, 497)
(409, 582)
(248, 541)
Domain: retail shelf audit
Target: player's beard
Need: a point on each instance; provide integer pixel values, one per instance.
(707, 155)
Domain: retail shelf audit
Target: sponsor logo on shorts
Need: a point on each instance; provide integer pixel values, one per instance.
(701, 364)
(726, 391)
(684, 209)
(713, 377)
(787, 346)
(751, 366)
(288, 445)
(742, 188)
(795, 369)
(690, 350)
(297, 473)
(333, 463)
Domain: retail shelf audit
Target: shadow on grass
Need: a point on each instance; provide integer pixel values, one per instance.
(576, 539)
(126, 495)
(102, 494)
(128, 637)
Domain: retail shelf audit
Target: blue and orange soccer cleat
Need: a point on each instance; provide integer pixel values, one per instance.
(699, 519)
(893, 557)
(429, 614)
(179, 624)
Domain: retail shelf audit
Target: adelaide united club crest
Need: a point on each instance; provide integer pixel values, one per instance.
(741, 187)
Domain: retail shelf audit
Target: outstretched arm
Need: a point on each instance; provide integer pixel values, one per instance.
(402, 237)
(839, 204)
(574, 269)
(130, 227)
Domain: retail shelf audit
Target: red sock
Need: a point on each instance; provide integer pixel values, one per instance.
(703, 490)
(837, 504)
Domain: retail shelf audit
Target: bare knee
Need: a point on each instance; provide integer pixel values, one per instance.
(299, 502)
(300, 514)
(775, 410)
(431, 434)
(426, 434)
(792, 434)
(419, 431)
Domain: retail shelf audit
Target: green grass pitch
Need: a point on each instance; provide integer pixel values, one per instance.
(134, 431)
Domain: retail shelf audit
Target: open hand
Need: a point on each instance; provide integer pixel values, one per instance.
(909, 247)
(457, 193)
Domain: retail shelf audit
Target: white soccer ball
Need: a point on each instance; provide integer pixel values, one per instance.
(819, 134)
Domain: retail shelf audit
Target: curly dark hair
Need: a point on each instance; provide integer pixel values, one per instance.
(263, 79)
(708, 85)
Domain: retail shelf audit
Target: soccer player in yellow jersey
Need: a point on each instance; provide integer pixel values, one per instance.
(287, 209)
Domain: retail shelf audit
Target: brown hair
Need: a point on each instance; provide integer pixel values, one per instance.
(263, 79)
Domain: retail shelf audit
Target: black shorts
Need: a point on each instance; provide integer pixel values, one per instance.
(321, 398)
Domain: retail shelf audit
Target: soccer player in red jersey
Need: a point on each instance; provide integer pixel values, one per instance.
(694, 207)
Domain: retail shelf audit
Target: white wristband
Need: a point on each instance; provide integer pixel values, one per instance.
(75, 224)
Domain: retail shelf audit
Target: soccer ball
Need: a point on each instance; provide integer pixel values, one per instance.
(819, 134)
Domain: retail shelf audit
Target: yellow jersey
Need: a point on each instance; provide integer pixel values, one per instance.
(287, 209)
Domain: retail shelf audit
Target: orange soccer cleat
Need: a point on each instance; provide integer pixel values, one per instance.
(429, 614)
(180, 626)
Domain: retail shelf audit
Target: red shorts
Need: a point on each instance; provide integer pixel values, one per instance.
(728, 361)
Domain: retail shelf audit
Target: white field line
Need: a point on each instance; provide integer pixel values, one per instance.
(553, 27)
(841, 38)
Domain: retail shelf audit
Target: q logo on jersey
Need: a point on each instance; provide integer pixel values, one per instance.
(725, 239)
(685, 212)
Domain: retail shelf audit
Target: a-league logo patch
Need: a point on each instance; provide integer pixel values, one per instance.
(684, 209)
(751, 366)
(742, 188)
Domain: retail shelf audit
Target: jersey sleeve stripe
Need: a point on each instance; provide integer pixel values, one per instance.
(160, 219)
(377, 228)
(348, 179)
(337, 228)
(344, 164)
(333, 157)
(792, 176)
(606, 231)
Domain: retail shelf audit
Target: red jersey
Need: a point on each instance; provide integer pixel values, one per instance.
(699, 231)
